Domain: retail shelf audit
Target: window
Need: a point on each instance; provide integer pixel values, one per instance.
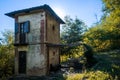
(21, 30)
(22, 27)
(53, 27)
(53, 53)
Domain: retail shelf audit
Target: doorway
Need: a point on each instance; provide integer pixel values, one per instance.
(22, 62)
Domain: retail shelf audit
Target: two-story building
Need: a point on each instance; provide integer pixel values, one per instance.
(37, 39)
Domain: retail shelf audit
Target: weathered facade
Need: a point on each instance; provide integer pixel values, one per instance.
(37, 38)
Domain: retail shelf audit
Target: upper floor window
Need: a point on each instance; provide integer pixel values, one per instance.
(22, 27)
(21, 30)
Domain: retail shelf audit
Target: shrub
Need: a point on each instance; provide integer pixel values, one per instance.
(88, 54)
(98, 75)
(75, 77)
(92, 75)
(6, 63)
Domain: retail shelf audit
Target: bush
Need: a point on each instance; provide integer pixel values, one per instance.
(93, 75)
(75, 77)
(6, 63)
(98, 75)
(88, 54)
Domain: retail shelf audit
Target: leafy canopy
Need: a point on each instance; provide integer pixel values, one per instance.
(72, 33)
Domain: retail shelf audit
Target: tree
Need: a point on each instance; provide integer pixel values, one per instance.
(106, 34)
(72, 30)
(111, 5)
(72, 33)
(112, 21)
(7, 37)
(88, 54)
(6, 54)
(97, 38)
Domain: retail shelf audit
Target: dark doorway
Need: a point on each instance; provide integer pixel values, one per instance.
(22, 62)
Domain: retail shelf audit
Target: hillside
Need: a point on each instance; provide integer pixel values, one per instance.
(108, 67)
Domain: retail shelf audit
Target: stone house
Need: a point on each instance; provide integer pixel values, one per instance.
(37, 40)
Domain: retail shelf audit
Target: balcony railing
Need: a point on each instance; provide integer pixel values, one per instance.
(21, 39)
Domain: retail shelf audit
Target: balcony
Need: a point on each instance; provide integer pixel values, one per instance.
(21, 40)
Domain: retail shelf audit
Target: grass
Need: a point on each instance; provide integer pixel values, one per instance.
(92, 75)
(107, 68)
(109, 62)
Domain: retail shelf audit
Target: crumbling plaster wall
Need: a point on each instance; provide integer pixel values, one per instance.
(35, 59)
(54, 56)
(53, 36)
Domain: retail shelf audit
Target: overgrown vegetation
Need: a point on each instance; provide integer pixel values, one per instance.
(93, 75)
(103, 37)
(99, 50)
(108, 68)
(106, 35)
(6, 55)
(71, 35)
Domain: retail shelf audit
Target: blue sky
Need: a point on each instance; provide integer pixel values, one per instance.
(83, 9)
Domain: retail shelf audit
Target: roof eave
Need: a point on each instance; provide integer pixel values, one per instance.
(44, 7)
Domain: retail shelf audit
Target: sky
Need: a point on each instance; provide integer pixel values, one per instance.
(85, 10)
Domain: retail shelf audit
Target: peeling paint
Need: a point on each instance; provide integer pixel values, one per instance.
(35, 60)
(39, 56)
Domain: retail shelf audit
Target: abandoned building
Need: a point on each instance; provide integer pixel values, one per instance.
(37, 39)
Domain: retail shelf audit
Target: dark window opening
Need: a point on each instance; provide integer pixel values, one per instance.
(53, 27)
(21, 28)
(53, 53)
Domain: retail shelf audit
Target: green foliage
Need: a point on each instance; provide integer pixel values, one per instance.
(111, 5)
(105, 35)
(7, 37)
(92, 75)
(109, 62)
(6, 62)
(72, 30)
(98, 38)
(88, 54)
(112, 21)
(107, 68)
(98, 75)
(72, 33)
(75, 77)
(6, 55)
